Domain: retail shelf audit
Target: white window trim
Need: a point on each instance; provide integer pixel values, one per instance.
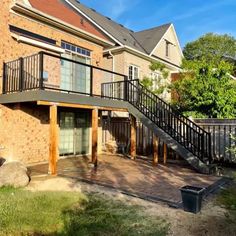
(134, 66)
(75, 52)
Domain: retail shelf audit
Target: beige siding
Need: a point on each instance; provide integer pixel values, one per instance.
(174, 52)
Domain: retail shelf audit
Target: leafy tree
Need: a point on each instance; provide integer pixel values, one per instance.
(211, 47)
(206, 90)
(159, 83)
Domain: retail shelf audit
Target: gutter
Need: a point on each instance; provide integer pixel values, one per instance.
(150, 58)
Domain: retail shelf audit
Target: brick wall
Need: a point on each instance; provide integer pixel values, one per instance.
(24, 128)
(10, 49)
(24, 132)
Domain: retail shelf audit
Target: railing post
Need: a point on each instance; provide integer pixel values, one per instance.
(41, 70)
(4, 78)
(91, 81)
(202, 146)
(209, 147)
(126, 88)
(21, 74)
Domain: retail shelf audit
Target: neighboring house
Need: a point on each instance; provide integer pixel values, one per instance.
(55, 88)
(134, 51)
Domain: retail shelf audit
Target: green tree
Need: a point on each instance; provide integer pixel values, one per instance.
(206, 90)
(211, 46)
(157, 84)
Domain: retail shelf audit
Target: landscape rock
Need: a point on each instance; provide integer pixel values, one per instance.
(2, 160)
(13, 174)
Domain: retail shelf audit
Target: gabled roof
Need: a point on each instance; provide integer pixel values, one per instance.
(143, 41)
(150, 37)
(59, 10)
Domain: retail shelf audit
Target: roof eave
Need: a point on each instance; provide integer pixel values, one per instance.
(143, 55)
(94, 22)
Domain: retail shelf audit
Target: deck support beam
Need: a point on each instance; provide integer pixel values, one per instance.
(133, 138)
(164, 153)
(53, 147)
(95, 136)
(155, 150)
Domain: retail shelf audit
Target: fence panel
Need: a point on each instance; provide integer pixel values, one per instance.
(118, 129)
(221, 131)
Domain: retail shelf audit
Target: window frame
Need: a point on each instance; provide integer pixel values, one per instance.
(77, 49)
(133, 72)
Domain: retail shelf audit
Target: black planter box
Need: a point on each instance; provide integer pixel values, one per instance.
(192, 198)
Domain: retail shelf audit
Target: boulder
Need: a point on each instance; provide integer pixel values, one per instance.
(2, 160)
(13, 174)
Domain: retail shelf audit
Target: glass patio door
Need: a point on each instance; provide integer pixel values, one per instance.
(66, 123)
(74, 133)
(75, 77)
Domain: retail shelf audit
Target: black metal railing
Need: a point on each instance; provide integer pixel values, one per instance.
(183, 130)
(44, 71)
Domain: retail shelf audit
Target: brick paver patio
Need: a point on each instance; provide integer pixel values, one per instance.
(137, 177)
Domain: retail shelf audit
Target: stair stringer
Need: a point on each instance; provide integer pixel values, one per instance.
(194, 161)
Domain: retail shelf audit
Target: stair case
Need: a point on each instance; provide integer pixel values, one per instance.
(184, 136)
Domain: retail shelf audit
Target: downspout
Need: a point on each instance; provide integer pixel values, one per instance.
(113, 64)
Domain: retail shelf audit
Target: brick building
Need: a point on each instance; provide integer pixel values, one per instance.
(59, 66)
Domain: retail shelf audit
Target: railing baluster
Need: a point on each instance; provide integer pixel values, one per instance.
(41, 62)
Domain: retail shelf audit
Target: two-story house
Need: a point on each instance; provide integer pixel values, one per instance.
(134, 51)
(61, 68)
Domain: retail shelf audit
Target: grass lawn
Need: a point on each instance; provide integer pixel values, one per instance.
(227, 198)
(66, 213)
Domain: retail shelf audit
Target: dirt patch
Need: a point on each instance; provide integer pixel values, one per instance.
(211, 221)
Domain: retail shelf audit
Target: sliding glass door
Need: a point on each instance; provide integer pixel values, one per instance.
(74, 133)
(75, 77)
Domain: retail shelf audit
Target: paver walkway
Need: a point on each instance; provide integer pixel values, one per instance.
(137, 177)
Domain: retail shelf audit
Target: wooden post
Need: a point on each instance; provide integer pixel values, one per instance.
(133, 138)
(53, 150)
(164, 153)
(155, 150)
(94, 136)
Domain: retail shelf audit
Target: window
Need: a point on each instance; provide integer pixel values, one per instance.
(73, 48)
(156, 79)
(168, 48)
(133, 72)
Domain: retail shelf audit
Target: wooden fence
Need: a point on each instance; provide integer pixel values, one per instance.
(221, 131)
(118, 129)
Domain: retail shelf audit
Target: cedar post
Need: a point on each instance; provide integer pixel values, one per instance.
(155, 150)
(164, 153)
(94, 136)
(133, 138)
(53, 150)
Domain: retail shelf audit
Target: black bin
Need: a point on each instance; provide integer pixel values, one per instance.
(192, 198)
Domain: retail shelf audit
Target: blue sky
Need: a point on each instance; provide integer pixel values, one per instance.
(191, 18)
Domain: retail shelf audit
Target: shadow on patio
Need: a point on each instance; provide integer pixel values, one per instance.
(138, 178)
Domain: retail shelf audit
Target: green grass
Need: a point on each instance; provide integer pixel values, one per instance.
(228, 198)
(66, 213)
